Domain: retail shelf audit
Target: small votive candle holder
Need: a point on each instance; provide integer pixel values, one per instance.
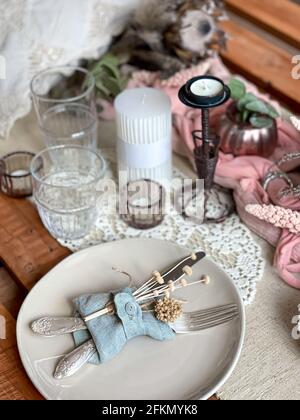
(15, 177)
(144, 203)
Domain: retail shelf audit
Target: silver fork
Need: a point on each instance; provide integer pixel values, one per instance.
(204, 319)
(189, 322)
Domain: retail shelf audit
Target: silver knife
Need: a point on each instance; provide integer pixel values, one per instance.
(55, 326)
(73, 361)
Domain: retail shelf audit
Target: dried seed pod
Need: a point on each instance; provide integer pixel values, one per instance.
(168, 310)
(158, 277)
(206, 279)
(187, 270)
(171, 286)
(183, 282)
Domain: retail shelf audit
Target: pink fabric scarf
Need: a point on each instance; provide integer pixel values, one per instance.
(242, 174)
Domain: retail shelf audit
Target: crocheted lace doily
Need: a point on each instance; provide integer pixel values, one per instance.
(229, 244)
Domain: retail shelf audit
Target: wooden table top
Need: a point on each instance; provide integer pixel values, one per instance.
(28, 252)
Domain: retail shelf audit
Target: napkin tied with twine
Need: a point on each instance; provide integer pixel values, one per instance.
(111, 332)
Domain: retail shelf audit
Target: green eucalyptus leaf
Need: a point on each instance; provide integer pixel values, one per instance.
(248, 97)
(109, 79)
(261, 122)
(123, 82)
(111, 68)
(103, 90)
(257, 106)
(272, 111)
(96, 67)
(245, 115)
(113, 86)
(238, 89)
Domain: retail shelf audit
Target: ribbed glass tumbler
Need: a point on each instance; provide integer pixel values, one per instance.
(65, 182)
(64, 99)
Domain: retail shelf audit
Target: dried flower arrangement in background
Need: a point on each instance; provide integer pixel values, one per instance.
(171, 35)
(166, 36)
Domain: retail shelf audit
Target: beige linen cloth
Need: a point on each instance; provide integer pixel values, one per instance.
(270, 363)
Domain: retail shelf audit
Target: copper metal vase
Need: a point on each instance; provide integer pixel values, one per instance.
(242, 139)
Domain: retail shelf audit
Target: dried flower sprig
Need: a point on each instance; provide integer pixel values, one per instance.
(277, 216)
(156, 288)
(157, 278)
(167, 289)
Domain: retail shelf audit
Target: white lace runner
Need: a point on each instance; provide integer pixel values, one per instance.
(229, 244)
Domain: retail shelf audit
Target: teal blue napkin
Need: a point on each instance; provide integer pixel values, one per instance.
(111, 332)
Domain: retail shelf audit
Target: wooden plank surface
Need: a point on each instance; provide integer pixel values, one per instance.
(26, 248)
(11, 295)
(14, 383)
(28, 252)
(279, 17)
(263, 63)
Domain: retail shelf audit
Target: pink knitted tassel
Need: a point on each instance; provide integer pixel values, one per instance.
(277, 216)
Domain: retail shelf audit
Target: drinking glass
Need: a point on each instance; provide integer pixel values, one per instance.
(145, 204)
(15, 178)
(65, 179)
(64, 100)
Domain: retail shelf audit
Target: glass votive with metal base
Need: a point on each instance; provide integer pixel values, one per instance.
(15, 177)
(144, 204)
(218, 202)
(205, 93)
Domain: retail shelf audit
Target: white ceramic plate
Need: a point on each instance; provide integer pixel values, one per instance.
(189, 367)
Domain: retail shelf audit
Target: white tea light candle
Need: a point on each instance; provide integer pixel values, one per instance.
(19, 172)
(144, 127)
(206, 87)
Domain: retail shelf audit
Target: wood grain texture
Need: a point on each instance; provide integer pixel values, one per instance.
(14, 383)
(11, 295)
(26, 248)
(279, 17)
(263, 63)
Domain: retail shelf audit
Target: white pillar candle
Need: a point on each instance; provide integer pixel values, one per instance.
(206, 87)
(144, 127)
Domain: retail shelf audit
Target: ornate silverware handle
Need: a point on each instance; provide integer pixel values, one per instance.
(53, 326)
(73, 361)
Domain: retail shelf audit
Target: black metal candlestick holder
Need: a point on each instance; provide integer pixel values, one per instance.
(196, 94)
